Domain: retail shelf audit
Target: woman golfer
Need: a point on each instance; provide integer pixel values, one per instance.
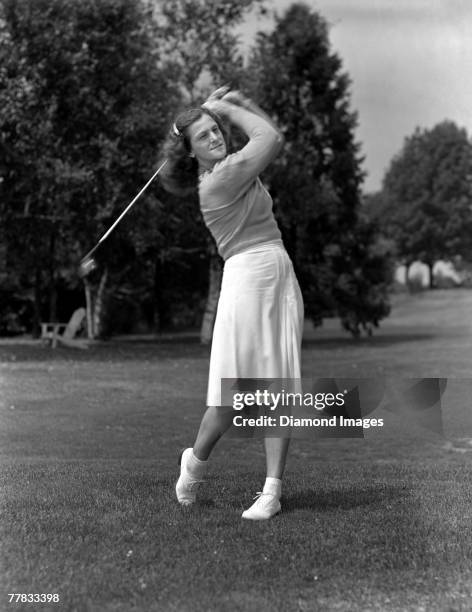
(258, 325)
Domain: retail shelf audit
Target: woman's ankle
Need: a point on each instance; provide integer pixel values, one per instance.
(201, 453)
(273, 486)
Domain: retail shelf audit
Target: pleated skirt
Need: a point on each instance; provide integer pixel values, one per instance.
(259, 320)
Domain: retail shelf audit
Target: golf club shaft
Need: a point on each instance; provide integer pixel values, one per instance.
(108, 232)
(110, 229)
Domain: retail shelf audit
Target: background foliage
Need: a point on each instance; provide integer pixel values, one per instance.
(425, 203)
(87, 92)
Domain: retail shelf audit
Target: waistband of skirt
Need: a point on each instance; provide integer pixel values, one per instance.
(260, 247)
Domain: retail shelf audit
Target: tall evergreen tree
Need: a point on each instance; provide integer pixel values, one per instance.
(316, 181)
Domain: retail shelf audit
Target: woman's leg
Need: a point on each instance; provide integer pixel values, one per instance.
(268, 503)
(193, 462)
(276, 455)
(214, 423)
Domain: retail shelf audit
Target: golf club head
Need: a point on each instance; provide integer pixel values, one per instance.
(87, 266)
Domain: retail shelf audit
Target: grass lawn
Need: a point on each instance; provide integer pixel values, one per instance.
(89, 446)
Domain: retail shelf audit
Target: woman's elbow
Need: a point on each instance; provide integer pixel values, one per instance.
(279, 141)
(270, 138)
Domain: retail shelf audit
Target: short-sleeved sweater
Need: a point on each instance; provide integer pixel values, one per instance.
(235, 205)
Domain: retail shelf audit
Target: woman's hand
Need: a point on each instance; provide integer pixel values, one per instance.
(236, 97)
(219, 93)
(215, 101)
(217, 106)
(226, 94)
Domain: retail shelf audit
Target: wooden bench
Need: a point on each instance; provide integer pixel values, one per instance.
(51, 331)
(65, 332)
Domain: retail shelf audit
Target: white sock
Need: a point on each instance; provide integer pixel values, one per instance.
(273, 486)
(196, 466)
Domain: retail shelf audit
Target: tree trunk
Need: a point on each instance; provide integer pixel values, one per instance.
(37, 304)
(431, 276)
(407, 275)
(98, 305)
(52, 280)
(88, 308)
(157, 296)
(53, 301)
(215, 275)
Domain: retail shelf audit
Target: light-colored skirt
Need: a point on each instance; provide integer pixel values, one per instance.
(259, 321)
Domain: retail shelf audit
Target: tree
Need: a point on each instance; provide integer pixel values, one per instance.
(201, 44)
(426, 199)
(316, 181)
(84, 103)
(87, 95)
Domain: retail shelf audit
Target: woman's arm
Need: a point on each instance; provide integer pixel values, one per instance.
(265, 140)
(237, 98)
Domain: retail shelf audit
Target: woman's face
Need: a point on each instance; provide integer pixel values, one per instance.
(207, 142)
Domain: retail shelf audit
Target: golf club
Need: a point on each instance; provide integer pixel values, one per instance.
(88, 263)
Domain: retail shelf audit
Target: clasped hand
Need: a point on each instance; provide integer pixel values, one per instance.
(224, 94)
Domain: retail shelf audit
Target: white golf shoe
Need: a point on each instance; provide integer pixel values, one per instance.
(265, 507)
(187, 483)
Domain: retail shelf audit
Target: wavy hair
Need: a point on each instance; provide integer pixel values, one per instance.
(180, 174)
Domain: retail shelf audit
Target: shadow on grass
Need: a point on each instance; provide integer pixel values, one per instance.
(107, 351)
(374, 341)
(345, 498)
(181, 347)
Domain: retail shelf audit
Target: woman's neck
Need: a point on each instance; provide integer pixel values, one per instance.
(205, 166)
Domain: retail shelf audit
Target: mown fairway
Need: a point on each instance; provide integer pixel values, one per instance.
(89, 447)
